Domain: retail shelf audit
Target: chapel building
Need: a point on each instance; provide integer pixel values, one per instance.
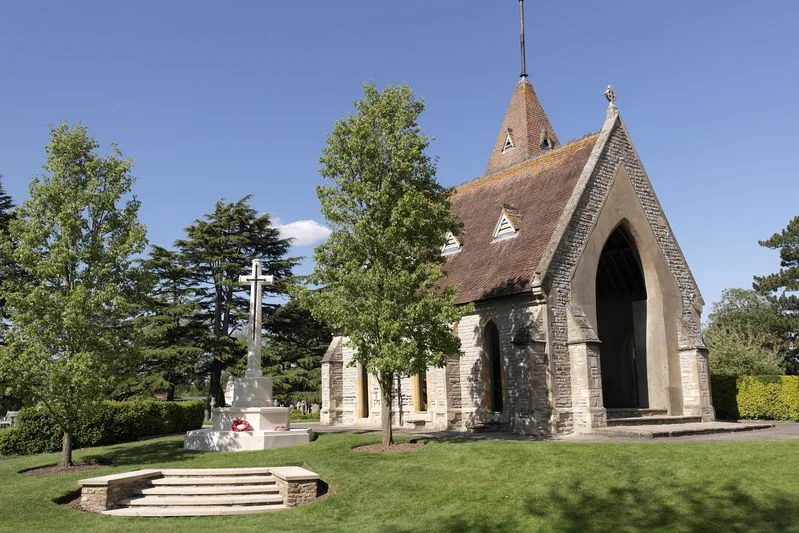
(584, 306)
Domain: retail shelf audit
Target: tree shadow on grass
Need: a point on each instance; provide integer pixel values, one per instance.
(703, 508)
(157, 451)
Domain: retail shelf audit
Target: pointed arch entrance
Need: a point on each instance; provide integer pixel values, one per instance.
(621, 307)
(493, 369)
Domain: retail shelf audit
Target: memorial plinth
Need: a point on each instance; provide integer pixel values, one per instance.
(252, 398)
(270, 426)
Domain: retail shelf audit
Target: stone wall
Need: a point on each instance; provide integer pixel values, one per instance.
(102, 493)
(524, 362)
(404, 414)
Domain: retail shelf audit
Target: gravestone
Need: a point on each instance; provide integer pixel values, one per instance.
(252, 396)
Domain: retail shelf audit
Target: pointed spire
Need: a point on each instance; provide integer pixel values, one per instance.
(525, 131)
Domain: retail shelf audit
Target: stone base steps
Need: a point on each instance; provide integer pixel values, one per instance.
(204, 492)
(200, 511)
(633, 412)
(653, 420)
(189, 498)
(207, 490)
(212, 480)
(679, 430)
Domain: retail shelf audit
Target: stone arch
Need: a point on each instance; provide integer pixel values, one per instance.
(492, 370)
(622, 209)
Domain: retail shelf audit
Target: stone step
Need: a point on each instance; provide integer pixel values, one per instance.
(189, 511)
(616, 412)
(204, 501)
(195, 490)
(680, 430)
(653, 420)
(213, 480)
(207, 472)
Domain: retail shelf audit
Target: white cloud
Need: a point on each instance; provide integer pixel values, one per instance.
(303, 232)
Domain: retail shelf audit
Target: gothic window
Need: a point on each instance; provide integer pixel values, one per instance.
(493, 368)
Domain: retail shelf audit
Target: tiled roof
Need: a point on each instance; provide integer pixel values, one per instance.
(525, 121)
(536, 191)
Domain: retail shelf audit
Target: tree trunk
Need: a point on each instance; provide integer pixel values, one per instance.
(66, 451)
(215, 385)
(386, 397)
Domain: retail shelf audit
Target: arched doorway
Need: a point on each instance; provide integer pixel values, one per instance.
(493, 368)
(621, 322)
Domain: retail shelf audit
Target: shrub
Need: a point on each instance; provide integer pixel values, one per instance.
(109, 423)
(725, 392)
(742, 351)
(768, 397)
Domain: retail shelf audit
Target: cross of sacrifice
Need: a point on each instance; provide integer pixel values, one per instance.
(256, 281)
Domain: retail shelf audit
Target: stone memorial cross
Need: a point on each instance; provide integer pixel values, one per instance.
(256, 281)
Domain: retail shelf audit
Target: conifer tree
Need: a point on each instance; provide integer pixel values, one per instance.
(172, 342)
(295, 345)
(7, 267)
(380, 266)
(782, 289)
(71, 314)
(7, 270)
(217, 250)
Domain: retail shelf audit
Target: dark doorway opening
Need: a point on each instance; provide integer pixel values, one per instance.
(493, 367)
(621, 321)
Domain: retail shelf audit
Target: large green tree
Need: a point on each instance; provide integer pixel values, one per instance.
(380, 266)
(295, 345)
(7, 270)
(172, 343)
(217, 250)
(7, 267)
(782, 290)
(71, 314)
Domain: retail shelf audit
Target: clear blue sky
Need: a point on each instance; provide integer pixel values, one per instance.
(224, 99)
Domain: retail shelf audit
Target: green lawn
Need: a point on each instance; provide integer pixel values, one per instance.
(460, 486)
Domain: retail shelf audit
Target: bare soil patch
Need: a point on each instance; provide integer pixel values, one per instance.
(396, 447)
(55, 469)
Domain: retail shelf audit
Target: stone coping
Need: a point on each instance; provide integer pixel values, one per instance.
(288, 473)
(293, 473)
(116, 478)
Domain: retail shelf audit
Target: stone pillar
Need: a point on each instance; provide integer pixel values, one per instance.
(695, 377)
(297, 485)
(586, 383)
(102, 493)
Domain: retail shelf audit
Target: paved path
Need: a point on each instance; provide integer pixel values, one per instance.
(772, 431)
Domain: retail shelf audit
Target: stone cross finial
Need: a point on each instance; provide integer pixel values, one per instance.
(256, 281)
(610, 94)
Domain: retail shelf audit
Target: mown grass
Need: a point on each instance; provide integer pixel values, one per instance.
(457, 486)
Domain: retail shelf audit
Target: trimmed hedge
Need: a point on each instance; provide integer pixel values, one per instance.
(768, 397)
(110, 423)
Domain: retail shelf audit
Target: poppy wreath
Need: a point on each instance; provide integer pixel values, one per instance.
(241, 425)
